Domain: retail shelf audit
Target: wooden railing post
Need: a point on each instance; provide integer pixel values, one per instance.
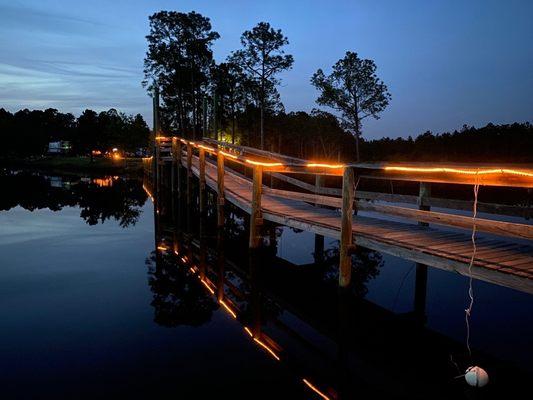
(189, 173)
(220, 189)
(346, 245)
(255, 215)
(201, 160)
(423, 199)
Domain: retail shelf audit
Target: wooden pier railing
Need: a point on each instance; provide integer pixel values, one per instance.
(225, 168)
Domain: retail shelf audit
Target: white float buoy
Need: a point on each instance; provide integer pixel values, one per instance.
(476, 376)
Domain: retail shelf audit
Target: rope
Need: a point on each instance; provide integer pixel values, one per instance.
(468, 311)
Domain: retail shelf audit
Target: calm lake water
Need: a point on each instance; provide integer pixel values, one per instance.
(91, 308)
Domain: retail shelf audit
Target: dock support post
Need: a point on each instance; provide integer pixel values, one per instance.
(189, 173)
(319, 239)
(203, 201)
(202, 262)
(174, 167)
(423, 199)
(220, 264)
(255, 215)
(319, 249)
(178, 167)
(155, 152)
(220, 189)
(346, 245)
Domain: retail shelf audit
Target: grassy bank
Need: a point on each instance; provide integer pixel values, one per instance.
(76, 164)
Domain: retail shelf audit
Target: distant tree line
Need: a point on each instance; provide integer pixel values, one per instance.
(27, 133)
(491, 143)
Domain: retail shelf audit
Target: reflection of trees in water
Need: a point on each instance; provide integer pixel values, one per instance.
(179, 298)
(365, 266)
(121, 201)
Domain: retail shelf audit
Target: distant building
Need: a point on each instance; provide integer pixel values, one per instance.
(60, 147)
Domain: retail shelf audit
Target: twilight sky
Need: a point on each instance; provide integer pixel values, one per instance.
(446, 63)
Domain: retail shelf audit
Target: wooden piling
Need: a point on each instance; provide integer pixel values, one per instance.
(202, 261)
(178, 167)
(189, 173)
(220, 265)
(174, 166)
(319, 249)
(220, 189)
(203, 201)
(346, 245)
(319, 239)
(255, 216)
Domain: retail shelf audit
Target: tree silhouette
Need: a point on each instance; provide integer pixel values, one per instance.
(35, 129)
(263, 57)
(354, 89)
(178, 61)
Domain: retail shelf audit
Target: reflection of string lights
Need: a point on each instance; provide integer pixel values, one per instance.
(264, 346)
(223, 303)
(162, 248)
(314, 389)
(207, 286)
(461, 171)
(148, 193)
(233, 314)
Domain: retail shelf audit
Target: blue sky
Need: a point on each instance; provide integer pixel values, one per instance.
(446, 63)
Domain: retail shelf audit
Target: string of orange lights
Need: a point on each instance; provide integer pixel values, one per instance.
(388, 168)
(472, 171)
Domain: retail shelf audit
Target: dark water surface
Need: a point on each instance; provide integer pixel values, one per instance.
(89, 308)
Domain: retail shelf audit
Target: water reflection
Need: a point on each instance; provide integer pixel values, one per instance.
(178, 298)
(336, 344)
(197, 268)
(99, 198)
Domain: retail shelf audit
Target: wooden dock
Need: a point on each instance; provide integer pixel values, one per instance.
(437, 239)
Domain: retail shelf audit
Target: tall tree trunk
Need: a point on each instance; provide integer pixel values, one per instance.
(262, 127)
(262, 100)
(357, 147)
(233, 128)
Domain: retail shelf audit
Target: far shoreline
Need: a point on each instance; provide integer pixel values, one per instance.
(66, 164)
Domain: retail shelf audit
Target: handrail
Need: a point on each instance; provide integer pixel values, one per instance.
(484, 174)
(512, 175)
(347, 198)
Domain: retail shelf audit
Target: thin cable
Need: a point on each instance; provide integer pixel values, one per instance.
(468, 311)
